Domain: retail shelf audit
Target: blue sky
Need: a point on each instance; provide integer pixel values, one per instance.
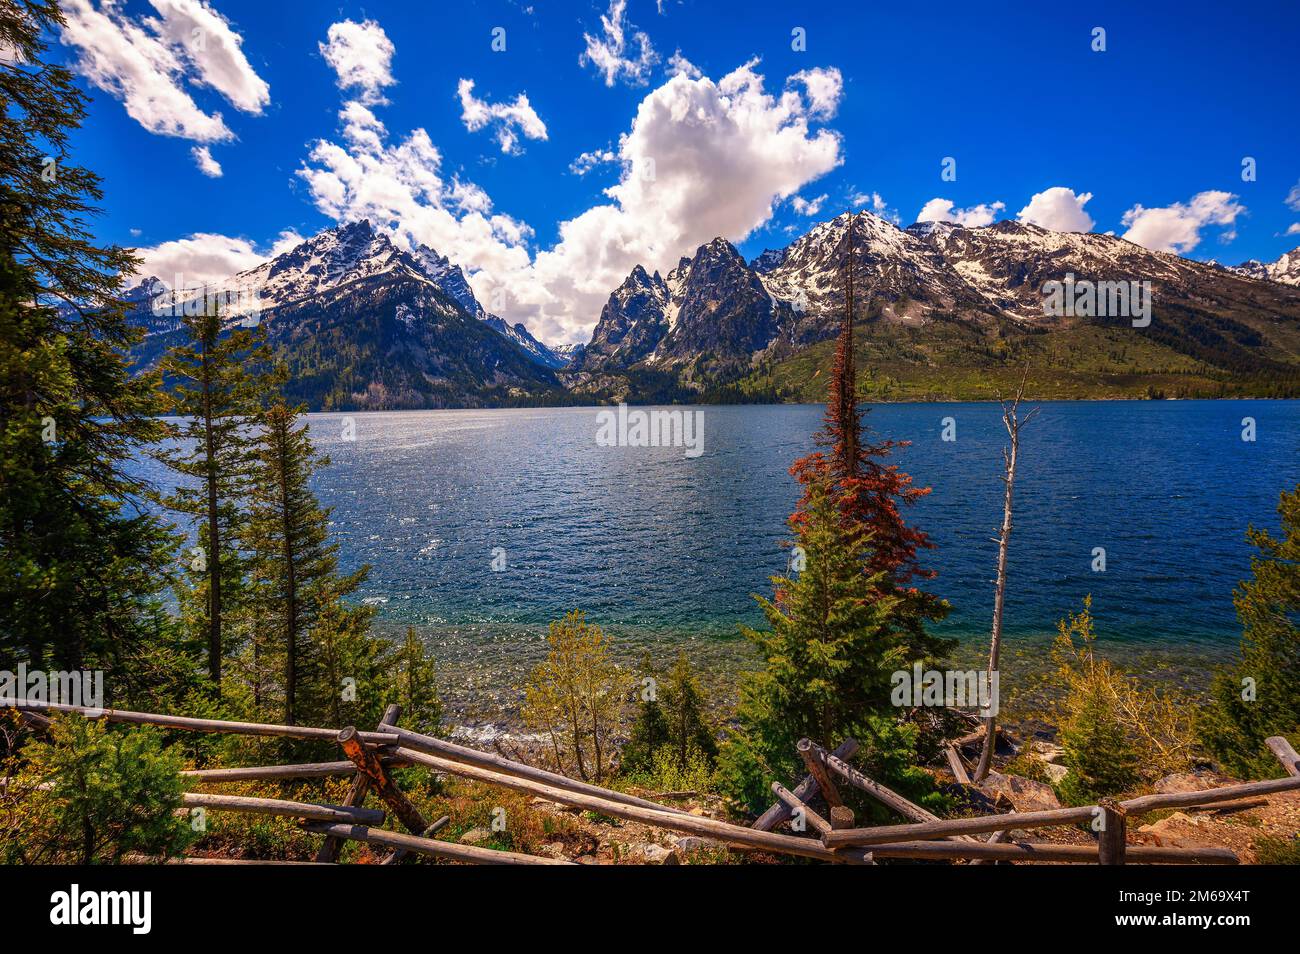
(1153, 129)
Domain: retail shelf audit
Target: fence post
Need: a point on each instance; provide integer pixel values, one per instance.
(1112, 840)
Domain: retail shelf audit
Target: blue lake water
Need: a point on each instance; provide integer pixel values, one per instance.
(665, 550)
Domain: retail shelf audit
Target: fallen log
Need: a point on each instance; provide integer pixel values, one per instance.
(496, 763)
(275, 806)
(1285, 754)
(805, 790)
(1026, 851)
(815, 821)
(188, 724)
(428, 846)
(659, 817)
(955, 764)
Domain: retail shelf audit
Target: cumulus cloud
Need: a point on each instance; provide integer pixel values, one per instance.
(702, 158)
(609, 52)
(206, 257)
(808, 206)
(1293, 228)
(1058, 209)
(207, 165)
(1177, 227)
(362, 56)
(509, 119)
(147, 63)
(942, 210)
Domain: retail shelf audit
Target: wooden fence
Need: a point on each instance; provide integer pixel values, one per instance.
(832, 837)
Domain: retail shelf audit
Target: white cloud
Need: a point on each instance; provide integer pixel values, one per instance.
(1293, 228)
(1058, 209)
(942, 210)
(362, 56)
(146, 64)
(589, 160)
(701, 159)
(206, 257)
(510, 119)
(679, 65)
(825, 88)
(1292, 200)
(808, 206)
(608, 52)
(1177, 227)
(207, 165)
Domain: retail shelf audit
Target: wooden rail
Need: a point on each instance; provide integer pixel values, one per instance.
(275, 806)
(428, 846)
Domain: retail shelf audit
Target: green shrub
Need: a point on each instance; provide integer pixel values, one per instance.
(91, 795)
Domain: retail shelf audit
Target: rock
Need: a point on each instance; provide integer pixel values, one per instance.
(657, 854)
(587, 860)
(1056, 772)
(475, 836)
(553, 849)
(1025, 795)
(1190, 782)
(1048, 751)
(1172, 832)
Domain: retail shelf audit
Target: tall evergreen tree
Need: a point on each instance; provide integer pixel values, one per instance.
(80, 561)
(294, 567)
(217, 392)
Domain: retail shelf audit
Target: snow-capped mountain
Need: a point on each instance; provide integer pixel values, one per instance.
(706, 319)
(715, 316)
(362, 323)
(1285, 270)
(337, 257)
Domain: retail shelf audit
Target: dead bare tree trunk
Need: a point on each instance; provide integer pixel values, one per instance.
(1010, 457)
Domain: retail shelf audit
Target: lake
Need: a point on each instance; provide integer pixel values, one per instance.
(664, 550)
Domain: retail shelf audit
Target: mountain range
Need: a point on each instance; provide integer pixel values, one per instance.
(946, 311)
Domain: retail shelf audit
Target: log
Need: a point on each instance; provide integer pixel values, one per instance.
(496, 763)
(658, 817)
(368, 764)
(1025, 851)
(805, 790)
(955, 763)
(994, 839)
(275, 806)
(886, 797)
(188, 724)
(841, 817)
(1151, 803)
(272, 772)
(330, 847)
(1285, 754)
(156, 860)
(398, 854)
(815, 821)
(429, 846)
(948, 827)
(814, 760)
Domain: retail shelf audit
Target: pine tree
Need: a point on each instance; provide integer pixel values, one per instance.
(688, 730)
(217, 393)
(294, 571)
(1259, 697)
(869, 492)
(80, 561)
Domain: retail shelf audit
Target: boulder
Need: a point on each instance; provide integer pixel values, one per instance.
(475, 836)
(1024, 795)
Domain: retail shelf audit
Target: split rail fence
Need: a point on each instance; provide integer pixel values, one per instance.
(832, 837)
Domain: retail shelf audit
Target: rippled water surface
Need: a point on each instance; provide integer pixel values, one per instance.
(665, 550)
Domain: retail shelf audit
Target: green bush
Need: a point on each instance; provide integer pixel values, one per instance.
(91, 795)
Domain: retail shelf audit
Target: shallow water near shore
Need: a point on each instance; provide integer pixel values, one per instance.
(481, 526)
